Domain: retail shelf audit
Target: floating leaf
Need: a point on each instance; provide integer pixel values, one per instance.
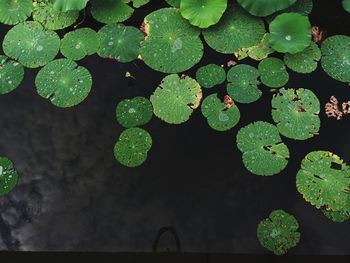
(303, 7)
(31, 44)
(119, 42)
(273, 72)
(290, 33)
(338, 216)
(174, 100)
(258, 52)
(79, 43)
(305, 61)
(324, 180)
(132, 147)
(279, 232)
(63, 82)
(11, 74)
(137, 3)
(296, 113)
(264, 7)
(68, 5)
(264, 153)
(242, 83)
(12, 12)
(172, 45)
(174, 3)
(203, 13)
(236, 30)
(336, 57)
(220, 117)
(110, 11)
(134, 112)
(210, 75)
(8, 176)
(346, 5)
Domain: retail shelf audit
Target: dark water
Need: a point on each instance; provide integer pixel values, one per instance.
(73, 195)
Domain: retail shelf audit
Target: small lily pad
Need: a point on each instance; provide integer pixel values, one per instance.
(11, 74)
(340, 215)
(174, 3)
(346, 5)
(264, 7)
(14, 12)
(257, 52)
(69, 5)
(110, 11)
(210, 75)
(137, 3)
(64, 83)
(8, 176)
(273, 72)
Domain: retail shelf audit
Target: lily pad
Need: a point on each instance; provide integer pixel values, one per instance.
(210, 75)
(346, 5)
(175, 98)
(64, 83)
(220, 117)
(203, 13)
(8, 176)
(174, 3)
(69, 5)
(31, 45)
(258, 52)
(11, 74)
(264, 7)
(273, 72)
(296, 113)
(14, 12)
(171, 45)
(242, 83)
(79, 43)
(119, 42)
(237, 29)
(336, 57)
(305, 61)
(110, 11)
(303, 7)
(290, 33)
(137, 3)
(134, 112)
(132, 147)
(279, 232)
(264, 153)
(324, 180)
(338, 216)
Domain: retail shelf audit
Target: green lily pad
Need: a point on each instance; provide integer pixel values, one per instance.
(258, 52)
(175, 98)
(137, 3)
(220, 116)
(8, 176)
(64, 83)
(237, 29)
(174, 3)
(119, 42)
(279, 232)
(210, 75)
(290, 33)
(203, 13)
(134, 112)
(242, 83)
(69, 5)
(31, 45)
(296, 113)
(273, 72)
(171, 45)
(338, 216)
(51, 18)
(264, 153)
(13, 12)
(305, 61)
(346, 5)
(336, 57)
(264, 7)
(132, 147)
(324, 180)
(80, 43)
(303, 7)
(11, 74)
(110, 11)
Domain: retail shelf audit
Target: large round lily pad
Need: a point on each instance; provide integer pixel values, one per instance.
(220, 116)
(290, 33)
(203, 13)
(265, 7)
(69, 5)
(172, 44)
(79, 43)
(11, 74)
(63, 82)
(12, 11)
(296, 113)
(273, 72)
(31, 45)
(132, 147)
(8, 176)
(264, 153)
(336, 57)
(237, 29)
(134, 112)
(119, 42)
(175, 98)
(110, 11)
(279, 232)
(242, 83)
(210, 75)
(324, 180)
